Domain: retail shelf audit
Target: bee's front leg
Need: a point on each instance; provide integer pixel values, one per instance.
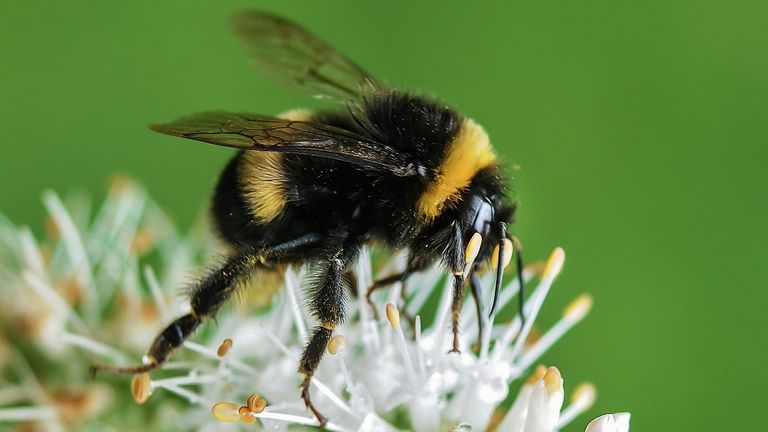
(457, 264)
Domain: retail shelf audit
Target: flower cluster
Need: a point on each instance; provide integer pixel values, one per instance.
(387, 369)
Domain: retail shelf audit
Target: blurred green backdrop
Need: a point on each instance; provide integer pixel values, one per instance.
(640, 128)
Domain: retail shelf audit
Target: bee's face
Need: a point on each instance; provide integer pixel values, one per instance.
(482, 215)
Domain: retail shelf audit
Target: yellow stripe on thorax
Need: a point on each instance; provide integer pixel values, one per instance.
(468, 153)
(263, 179)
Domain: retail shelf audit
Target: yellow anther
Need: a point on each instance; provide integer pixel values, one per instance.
(533, 336)
(473, 248)
(226, 412)
(553, 381)
(252, 399)
(507, 255)
(554, 263)
(245, 415)
(537, 374)
(142, 242)
(141, 387)
(584, 394)
(393, 316)
(578, 308)
(337, 344)
(255, 403)
(224, 348)
(248, 418)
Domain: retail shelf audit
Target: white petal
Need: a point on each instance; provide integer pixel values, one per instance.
(514, 421)
(610, 423)
(546, 402)
(604, 423)
(622, 421)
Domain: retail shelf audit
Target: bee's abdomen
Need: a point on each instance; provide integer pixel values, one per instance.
(230, 212)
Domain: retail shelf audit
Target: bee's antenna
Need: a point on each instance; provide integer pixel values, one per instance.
(518, 250)
(500, 264)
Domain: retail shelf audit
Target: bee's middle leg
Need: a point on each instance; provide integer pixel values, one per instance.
(326, 303)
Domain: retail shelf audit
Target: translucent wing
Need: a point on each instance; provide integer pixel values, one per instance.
(288, 53)
(255, 132)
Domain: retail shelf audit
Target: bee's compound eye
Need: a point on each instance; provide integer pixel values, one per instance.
(483, 215)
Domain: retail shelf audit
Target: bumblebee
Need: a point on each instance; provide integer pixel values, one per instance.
(385, 166)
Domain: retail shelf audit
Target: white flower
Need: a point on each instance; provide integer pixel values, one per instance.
(610, 423)
(89, 299)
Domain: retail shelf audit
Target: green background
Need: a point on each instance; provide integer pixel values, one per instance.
(639, 127)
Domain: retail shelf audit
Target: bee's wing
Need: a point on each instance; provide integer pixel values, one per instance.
(255, 132)
(288, 53)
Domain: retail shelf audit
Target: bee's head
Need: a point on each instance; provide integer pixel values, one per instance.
(486, 215)
(483, 208)
(484, 237)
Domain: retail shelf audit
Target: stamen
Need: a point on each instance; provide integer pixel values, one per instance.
(427, 283)
(299, 420)
(291, 293)
(554, 264)
(248, 418)
(419, 349)
(30, 250)
(53, 299)
(553, 381)
(226, 412)
(192, 397)
(141, 387)
(224, 348)
(537, 374)
(337, 344)
(156, 291)
(315, 381)
(545, 403)
(572, 314)
(245, 415)
(441, 318)
(473, 248)
(237, 364)
(28, 413)
(508, 252)
(191, 379)
(578, 308)
(393, 316)
(76, 249)
(516, 417)
(582, 399)
(553, 267)
(93, 346)
(256, 403)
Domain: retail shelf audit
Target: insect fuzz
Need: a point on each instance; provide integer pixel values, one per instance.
(313, 188)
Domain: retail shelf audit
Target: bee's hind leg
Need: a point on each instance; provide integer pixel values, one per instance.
(207, 297)
(212, 292)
